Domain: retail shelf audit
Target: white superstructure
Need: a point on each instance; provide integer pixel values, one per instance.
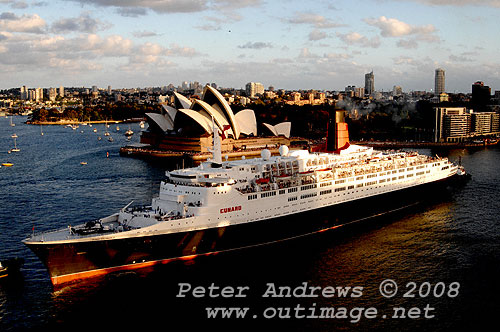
(217, 193)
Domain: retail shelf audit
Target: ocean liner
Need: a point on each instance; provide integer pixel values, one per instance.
(224, 205)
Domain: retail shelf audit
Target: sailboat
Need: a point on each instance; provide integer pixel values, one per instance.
(41, 130)
(106, 126)
(129, 132)
(15, 149)
(12, 124)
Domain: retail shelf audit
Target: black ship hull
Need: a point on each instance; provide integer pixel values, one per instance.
(79, 260)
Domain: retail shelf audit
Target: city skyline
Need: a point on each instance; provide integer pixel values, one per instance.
(290, 45)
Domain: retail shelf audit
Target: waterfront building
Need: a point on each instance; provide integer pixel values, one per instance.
(456, 124)
(484, 123)
(453, 124)
(369, 83)
(439, 82)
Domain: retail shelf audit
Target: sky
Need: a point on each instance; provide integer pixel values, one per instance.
(291, 44)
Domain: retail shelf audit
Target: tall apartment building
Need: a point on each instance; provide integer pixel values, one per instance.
(253, 89)
(369, 83)
(24, 92)
(439, 82)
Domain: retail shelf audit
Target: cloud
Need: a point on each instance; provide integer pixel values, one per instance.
(83, 23)
(25, 23)
(391, 27)
(355, 38)
(475, 3)
(407, 43)
(134, 8)
(317, 21)
(256, 45)
(317, 35)
(144, 33)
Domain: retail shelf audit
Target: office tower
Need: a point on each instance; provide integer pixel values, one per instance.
(61, 91)
(439, 86)
(481, 95)
(369, 83)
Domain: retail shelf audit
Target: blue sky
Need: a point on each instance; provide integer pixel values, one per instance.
(291, 44)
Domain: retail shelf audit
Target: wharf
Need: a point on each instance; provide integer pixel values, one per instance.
(147, 151)
(424, 145)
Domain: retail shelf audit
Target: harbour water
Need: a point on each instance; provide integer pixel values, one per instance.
(443, 254)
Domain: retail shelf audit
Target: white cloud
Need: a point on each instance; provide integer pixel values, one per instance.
(355, 38)
(317, 21)
(391, 27)
(25, 23)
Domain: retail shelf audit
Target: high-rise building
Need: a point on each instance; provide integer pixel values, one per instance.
(439, 80)
(24, 93)
(481, 95)
(369, 83)
(61, 91)
(52, 94)
(253, 89)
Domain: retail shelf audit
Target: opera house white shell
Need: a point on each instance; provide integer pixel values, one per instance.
(196, 117)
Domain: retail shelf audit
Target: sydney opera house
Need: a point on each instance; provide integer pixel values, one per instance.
(187, 125)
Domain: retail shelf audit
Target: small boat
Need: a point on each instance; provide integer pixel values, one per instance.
(129, 132)
(15, 148)
(83, 163)
(117, 128)
(10, 267)
(95, 130)
(7, 164)
(14, 136)
(141, 124)
(110, 139)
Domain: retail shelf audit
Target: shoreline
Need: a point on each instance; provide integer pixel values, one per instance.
(423, 145)
(77, 122)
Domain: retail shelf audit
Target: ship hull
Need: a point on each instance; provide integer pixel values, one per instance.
(73, 261)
